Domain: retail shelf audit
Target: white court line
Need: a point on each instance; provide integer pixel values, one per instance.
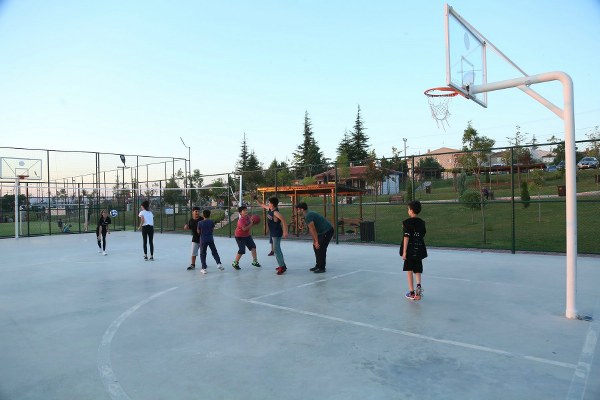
(109, 379)
(428, 276)
(582, 372)
(416, 335)
(304, 285)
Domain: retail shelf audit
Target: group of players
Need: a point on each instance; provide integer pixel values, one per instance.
(412, 248)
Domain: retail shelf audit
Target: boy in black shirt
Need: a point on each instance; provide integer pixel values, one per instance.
(193, 226)
(413, 249)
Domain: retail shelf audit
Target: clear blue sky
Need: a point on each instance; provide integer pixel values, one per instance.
(133, 76)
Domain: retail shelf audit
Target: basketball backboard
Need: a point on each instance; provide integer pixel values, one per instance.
(465, 57)
(11, 168)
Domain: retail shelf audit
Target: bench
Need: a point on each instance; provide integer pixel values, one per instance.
(396, 199)
(353, 223)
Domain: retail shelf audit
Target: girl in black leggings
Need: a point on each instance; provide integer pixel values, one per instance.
(147, 227)
(102, 230)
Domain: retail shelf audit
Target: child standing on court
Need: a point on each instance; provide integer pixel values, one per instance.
(413, 249)
(147, 227)
(102, 230)
(244, 239)
(193, 226)
(277, 230)
(205, 230)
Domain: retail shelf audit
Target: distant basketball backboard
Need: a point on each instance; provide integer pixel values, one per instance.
(11, 168)
(465, 57)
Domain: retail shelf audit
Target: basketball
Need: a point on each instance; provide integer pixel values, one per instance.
(114, 213)
(255, 219)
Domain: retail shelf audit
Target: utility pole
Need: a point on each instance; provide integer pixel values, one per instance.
(405, 159)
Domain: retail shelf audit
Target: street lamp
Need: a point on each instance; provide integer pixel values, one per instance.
(123, 161)
(189, 159)
(189, 168)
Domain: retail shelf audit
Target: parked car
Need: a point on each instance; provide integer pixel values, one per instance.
(588, 162)
(560, 166)
(551, 168)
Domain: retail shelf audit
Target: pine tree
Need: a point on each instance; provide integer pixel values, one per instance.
(242, 163)
(308, 157)
(249, 166)
(359, 141)
(345, 146)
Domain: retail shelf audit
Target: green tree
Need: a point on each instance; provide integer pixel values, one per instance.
(242, 163)
(345, 146)
(278, 173)
(558, 150)
(373, 173)
(472, 200)
(429, 167)
(8, 201)
(308, 157)
(522, 155)
(195, 180)
(396, 162)
(343, 168)
(173, 194)
(593, 149)
(250, 168)
(461, 183)
(359, 141)
(477, 150)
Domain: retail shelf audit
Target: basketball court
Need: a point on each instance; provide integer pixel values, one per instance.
(76, 324)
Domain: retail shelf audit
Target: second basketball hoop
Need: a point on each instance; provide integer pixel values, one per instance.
(439, 99)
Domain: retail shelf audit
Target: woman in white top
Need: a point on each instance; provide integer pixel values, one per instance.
(147, 227)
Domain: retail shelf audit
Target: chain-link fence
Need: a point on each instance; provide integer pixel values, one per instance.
(509, 199)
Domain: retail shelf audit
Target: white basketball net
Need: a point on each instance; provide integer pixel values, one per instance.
(439, 99)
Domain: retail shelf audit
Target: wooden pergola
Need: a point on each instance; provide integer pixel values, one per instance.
(321, 190)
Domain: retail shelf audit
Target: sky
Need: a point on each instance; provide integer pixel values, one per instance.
(135, 76)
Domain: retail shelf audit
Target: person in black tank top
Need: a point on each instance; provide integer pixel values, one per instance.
(278, 229)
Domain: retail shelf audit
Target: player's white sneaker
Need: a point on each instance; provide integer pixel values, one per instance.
(220, 267)
(203, 270)
(99, 251)
(103, 253)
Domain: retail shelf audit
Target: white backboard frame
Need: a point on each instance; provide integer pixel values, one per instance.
(11, 168)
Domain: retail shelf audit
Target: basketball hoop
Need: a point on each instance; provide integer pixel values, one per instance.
(439, 98)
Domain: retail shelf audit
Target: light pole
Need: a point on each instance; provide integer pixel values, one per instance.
(189, 159)
(189, 168)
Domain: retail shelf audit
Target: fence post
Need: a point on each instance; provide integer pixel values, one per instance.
(512, 200)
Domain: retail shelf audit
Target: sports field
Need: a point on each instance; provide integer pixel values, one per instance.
(78, 325)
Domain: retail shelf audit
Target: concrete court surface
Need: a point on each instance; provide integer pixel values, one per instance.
(78, 325)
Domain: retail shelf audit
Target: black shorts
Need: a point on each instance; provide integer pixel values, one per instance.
(415, 266)
(244, 242)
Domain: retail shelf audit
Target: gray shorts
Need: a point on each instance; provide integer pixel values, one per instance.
(195, 248)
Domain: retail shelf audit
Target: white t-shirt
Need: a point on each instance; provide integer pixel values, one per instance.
(148, 217)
